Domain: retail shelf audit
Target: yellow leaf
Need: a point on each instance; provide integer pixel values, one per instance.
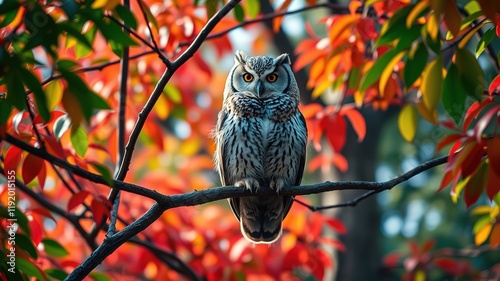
(359, 96)
(457, 189)
(419, 275)
(432, 83)
(105, 4)
(288, 242)
(407, 122)
(53, 92)
(190, 146)
(415, 12)
(388, 70)
(482, 235)
(173, 93)
(433, 25)
(318, 90)
(371, 2)
(481, 210)
(161, 107)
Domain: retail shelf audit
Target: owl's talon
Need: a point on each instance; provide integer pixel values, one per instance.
(277, 184)
(249, 183)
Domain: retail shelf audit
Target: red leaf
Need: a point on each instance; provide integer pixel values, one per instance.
(53, 146)
(495, 84)
(497, 30)
(454, 267)
(473, 160)
(475, 186)
(336, 225)
(36, 231)
(77, 199)
(99, 210)
(315, 226)
(493, 183)
(12, 159)
(485, 121)
(332, 242)
(357, 120)
(32, 166)
(473, 112)
(446, 141)
(493, 151)
(428, 245)
(43, 212)
(42, 175)
(391, 260)
(447, 178)
(336, 132)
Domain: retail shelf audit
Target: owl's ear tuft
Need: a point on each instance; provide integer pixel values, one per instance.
(282, 59)
(240, 57)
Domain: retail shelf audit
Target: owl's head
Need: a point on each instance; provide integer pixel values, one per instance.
(261, 77)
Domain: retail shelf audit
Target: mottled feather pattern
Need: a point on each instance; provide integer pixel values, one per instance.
(261, 139)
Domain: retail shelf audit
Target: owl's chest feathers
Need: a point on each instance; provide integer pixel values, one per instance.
(277, 109)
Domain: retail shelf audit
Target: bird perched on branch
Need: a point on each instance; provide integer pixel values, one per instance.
(261, 141)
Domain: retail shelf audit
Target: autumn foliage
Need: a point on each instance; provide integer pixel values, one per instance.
(86, 84)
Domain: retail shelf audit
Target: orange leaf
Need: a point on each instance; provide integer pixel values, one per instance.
(310, 110)
(357, 121)
(340, 162)
(452, 17)
(495, 236)
(32, 166)
(341, 23)
(482, 235)
(77, 199)
(42, 175)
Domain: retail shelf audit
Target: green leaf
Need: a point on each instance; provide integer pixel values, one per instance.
(453, 94)
(5, 110)
(471, 74)
(9, 6)
(375, 71)
(56, 273)
(239, 14)
(67, 64)
(79, 140)
(53, 92)
(472, 7)
(53, 248)
(126, 15)
(253, 8)
(394, 27)
(98, 102)
(22, 221)
(496, 199)
(104, 172)
(408, 37)
(34, 85)
(114, 33)
(434, 45)
(15, 89)
(173, 93)
(26, 244)
(80, 90)
(485, 41)
(30, 269)
(415, 64)
(8, 17)
(98, 276)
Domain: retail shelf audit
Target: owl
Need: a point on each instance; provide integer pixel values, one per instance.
(260, 140)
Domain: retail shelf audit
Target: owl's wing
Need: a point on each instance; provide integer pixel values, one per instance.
(221, 167)
(288, 200)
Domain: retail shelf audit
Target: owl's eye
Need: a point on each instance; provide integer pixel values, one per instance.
(247, 77)
(272, 77)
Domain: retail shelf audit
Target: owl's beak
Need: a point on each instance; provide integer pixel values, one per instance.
(260, 88)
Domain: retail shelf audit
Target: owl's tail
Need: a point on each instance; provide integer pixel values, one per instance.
(261, 217)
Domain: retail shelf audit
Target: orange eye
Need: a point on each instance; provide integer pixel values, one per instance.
(247, 77)
(272, 77)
